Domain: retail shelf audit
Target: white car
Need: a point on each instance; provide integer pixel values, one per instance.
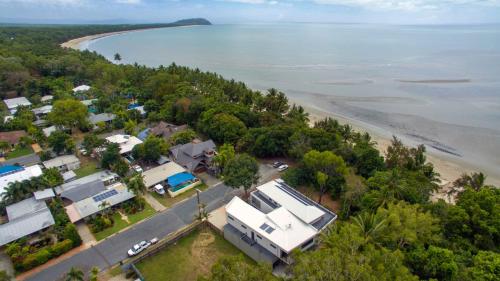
(282, 167)
(137, 168)
(137, 248)
(159, 189)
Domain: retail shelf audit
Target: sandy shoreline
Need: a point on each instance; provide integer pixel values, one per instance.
(448, 169)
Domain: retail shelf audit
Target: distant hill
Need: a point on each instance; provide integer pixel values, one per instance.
(195, 21)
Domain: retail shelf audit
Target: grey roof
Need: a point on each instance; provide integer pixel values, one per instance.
(69, 175)
(193, 149)
(15, 102)
(42, 110)
(44, 194)
(25, 217)
(84, 191)
(102, 176)
(103, 117)
(40, 122)
(61, 161)
(27, 160)
(47, 98)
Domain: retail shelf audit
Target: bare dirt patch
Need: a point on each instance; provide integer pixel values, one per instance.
(203, 253)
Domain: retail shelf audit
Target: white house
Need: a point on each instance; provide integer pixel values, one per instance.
(81, 88)
(126, 142)
(278, 221)
(13, 104)
(63, 163)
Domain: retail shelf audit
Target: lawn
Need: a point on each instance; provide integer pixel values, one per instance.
(87, 168)
(18, 152)
(168, 201)
(190, 257)
(120, 224)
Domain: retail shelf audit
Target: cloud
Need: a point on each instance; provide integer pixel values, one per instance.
(132, 2)
(408, 5)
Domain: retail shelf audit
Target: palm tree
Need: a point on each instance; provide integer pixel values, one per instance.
(136, 184)
(104, 208)
(474, 181)
(93, 273)
(74, 274)
(370, 226)
(118, 57)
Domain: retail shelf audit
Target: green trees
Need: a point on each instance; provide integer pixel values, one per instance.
(117, 57)
(434, 262)
(183, 137)
(136, 184)
(111, 159)
(241, 171)
(329, 169)
(151, 149)
(91, 141)
(221, 127)
(74, 274)
(61, 142)
(69, 114)
(234, 268)
(225, 154)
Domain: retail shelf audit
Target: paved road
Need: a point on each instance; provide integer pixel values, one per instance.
(114, 249)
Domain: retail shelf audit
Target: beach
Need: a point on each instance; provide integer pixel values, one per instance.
(450, 146)
(77, 42)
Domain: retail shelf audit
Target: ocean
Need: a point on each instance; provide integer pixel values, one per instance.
(436, 85)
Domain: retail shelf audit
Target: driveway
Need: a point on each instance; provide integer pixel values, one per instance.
(114, 249)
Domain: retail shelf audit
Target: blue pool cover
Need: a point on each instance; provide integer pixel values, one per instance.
(179, 178)
(8, 169)
(133, 105)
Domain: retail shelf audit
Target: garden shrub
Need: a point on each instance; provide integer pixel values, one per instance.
(62, 247)
(71, 233)
(35, 259)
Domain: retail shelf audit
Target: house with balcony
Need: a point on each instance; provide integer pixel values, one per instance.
(276, 221)
(195, 156)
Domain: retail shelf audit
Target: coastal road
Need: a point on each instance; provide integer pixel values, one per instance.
(114, 249)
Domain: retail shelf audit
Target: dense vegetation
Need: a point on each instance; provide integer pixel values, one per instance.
(388, 228)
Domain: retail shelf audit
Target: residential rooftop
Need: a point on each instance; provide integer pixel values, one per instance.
(104, 176)
(19, 174)
(60, 161)
(126, 142)
(12, 137)
(161, 173)
(13, 104)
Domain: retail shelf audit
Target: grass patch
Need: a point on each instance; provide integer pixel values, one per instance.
(168, 201)
(18, 152)
(120, 224)
(87, 168)
(115, 271)
(189, 258)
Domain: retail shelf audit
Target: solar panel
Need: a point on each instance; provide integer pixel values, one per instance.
(269, 230)
(264, 226)
(105, 195)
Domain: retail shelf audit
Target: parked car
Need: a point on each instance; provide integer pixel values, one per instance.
(159, 189)
(154, 240)
(137, 169)
(277, 164)
(137, 248)
(282, 167)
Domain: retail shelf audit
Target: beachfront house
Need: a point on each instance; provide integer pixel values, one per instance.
(83, 197)
(195, 156)
(63, 163)
(13, 104)
(26, 217)
(277, 221)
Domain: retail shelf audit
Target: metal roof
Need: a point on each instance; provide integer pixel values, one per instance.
(102, 176)
(15, 102)
(83, 191)
(44, 194)
(25, 217)
(161, 173)
(21, 175)
(27, 160)
(61, 161)
(102, 117)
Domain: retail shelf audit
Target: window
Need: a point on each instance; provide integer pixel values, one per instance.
(307, 244)
(272, 246)
(231, 218)
(258, 236)
(244, 226)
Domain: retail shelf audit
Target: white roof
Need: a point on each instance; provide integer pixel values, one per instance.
(68, 176)
(44, 194)
(15, 102)
(47, 98)
(7, 118)
(126, 142)
(60, 161)
(26, 174)
(161, 173)
(288, 231)
(88, 102)
(42, 110)
(140, 109)
(81, 88)
(49, 130)
(307, 213)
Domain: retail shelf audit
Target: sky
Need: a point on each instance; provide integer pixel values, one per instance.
(252, 11)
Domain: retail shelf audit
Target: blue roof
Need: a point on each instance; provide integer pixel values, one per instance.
(143, 134)
(179, 178)
(8, 169)
(133, 105)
